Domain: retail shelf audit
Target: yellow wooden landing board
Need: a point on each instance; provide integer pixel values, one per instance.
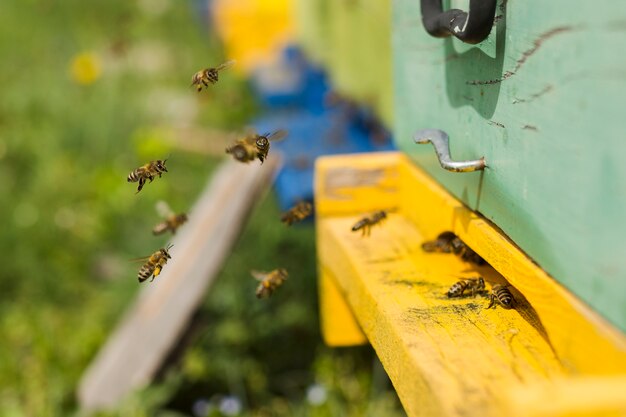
(446, 356)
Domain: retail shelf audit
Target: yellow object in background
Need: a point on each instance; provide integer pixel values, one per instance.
(86, 68)
(253, 31)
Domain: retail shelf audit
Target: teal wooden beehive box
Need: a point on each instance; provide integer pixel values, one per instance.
(541, 100)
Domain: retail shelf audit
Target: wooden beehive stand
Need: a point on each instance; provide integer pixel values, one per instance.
(550, 356)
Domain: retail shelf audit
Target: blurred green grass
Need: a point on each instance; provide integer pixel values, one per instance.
(71, 221)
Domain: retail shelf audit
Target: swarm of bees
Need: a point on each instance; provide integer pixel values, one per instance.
(254, 146)
(269, 281)
(297, 213)
(448, 242)
(366, 223)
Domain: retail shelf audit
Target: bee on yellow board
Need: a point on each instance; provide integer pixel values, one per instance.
(269, 281)
(254, 146)
(448, 242)
(366, 223)
(209, 75)
(297, 213)
(474, 285)
(154, 264)
(147, 172)
(500, 294)
(172, 220)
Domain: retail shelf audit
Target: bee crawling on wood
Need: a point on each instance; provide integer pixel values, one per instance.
(147, 172)
(172, 220)
(154, 264)
(474, 285)
(269, 281)
(254, 146)
(366, 223)
(500, 294)
(209, 75)
(297, 213)
(448, 242)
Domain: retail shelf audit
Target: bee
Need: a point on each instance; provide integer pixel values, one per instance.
(500, 294)
(448, 242)
(269, 281)
(366, 223)
(254, 146)
(209, 75)
(147, 172)
(154, 264)
(172, 220)
(297, 213)
(475, 285)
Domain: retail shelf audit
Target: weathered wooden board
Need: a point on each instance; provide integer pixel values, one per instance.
(542, 100)
(162, 309)
(352, 39)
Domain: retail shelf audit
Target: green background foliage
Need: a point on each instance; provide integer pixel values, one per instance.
(71, 222)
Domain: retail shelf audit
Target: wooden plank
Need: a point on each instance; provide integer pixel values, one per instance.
(542, 100)
(448, 357)
(153, 324)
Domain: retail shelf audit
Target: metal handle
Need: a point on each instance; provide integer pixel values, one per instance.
(440, 141)
(472, 27)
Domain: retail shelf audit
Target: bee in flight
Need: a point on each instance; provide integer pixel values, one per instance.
(147, 172)
(500, 294)
(172, 220)
(269, 281)
(297, 213)
(366, 223)
(474, 285)
(448, 242)
(154, 264)
(209, 75)
(254, 146)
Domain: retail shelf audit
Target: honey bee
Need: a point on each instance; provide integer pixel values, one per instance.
(297, 213)
(500, 294)
(147, 172)
(269, 281)
(172, 220)
(209, 75)
(366, 223)
(254, 146)
(154, 264)
(448, 242)
(475, 285)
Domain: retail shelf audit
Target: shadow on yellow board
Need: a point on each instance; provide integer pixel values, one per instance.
(254, 31)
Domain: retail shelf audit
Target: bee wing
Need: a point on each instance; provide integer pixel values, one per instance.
(258, 275)
(140, 259)
(225, 65)
(164, 209)
(277, 135)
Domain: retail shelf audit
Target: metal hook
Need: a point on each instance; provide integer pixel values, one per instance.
(440, 141)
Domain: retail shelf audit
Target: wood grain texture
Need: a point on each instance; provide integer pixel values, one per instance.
(542, 100)
(449, 356)
(162, 309)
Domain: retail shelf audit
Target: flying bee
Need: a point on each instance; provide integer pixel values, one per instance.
(172, 220)
(297, 213)
(500, 294)
(269, 281)
(366, 223)
(209, 75)
(147, 172)
(475, 285)
(154, 264)
(254, 146)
